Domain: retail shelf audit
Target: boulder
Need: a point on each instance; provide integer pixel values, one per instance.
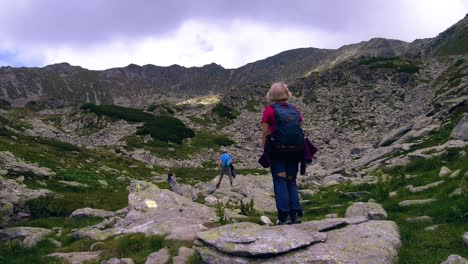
(394, 135)
(460, 131)
(162, 256)
(17, 167)
(327, 241)
(155, 211)
(455, 259)
(77, 257)
(372, 211)
(444, 171)
(99, 232)
(13, 197)
(253, 240)
(29, 236)
(183, 256)
(90, 212)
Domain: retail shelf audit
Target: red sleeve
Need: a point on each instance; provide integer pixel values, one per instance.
(268, 115)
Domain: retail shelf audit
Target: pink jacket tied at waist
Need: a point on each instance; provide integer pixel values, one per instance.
(309, 152)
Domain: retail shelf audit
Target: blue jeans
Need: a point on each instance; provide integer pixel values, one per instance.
(286, 193)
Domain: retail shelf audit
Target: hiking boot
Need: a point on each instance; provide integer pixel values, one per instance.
(296, 220)
(286, 221)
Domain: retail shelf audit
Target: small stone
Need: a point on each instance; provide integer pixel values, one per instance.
(431, 228)
(73, 184)
(444, 171)
(95, 246)
(415, 202)
(465, 238)
(77, 257)
(265, 220)
(424, 187)
(183, 256)
(307, 192)
(118, 261)
(393, 194)
(20, 179)
(334, 215)
(455, 259)
(457, 192)
(103, 183)
(455, 174)
(91, 212)
(419, 219)
(211, 200)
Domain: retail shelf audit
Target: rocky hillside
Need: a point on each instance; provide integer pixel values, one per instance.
(62, 84)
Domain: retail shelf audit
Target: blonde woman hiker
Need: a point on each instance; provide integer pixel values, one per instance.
(281, 127)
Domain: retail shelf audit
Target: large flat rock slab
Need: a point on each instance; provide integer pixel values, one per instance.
(155, 211)
(249, 239)
(348, 242)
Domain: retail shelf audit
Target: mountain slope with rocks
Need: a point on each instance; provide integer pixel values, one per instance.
(84, 157)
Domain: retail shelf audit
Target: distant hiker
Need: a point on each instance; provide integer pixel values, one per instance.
(225, 163)
(170, 177)
(281, 128)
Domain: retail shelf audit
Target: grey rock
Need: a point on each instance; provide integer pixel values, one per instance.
(334, 215)
(90, 212)
(424, 187)
(454, 174)
(77, 257)
(249, 239)
(419, 219)
(461, 130)
(118, 261)
(17, 167)
(367, 242)
(455, 259)
(465, 238)
(103, 183)
(99, 232)
(431, 228)
(394, 135)
(152, 211)
(29, 236)
(335, 177)
(358, 194)
(415, 202)
(211, 200)
(265, 220)
(444, 171)
(160, 257)
(73, 184)
(371, 210)
(183, 255)
(307, 192)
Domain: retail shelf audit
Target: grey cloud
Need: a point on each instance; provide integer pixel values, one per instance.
(85, 22)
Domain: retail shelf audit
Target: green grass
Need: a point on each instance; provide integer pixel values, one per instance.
(200, 142)
(64, 222)
(14, 253)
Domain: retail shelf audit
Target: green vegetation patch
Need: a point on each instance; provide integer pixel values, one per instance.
(4, 104)
(395, 63)
(224, 111)
(163, 128)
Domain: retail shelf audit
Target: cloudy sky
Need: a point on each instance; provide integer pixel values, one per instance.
(100, 34)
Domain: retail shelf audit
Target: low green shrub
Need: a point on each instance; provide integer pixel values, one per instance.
(224, 111)
(248, 209)
(4, 104)
(166, 128)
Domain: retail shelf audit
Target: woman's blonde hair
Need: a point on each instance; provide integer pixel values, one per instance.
(278, 92)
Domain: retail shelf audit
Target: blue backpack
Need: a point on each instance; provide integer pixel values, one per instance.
(287, 135)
